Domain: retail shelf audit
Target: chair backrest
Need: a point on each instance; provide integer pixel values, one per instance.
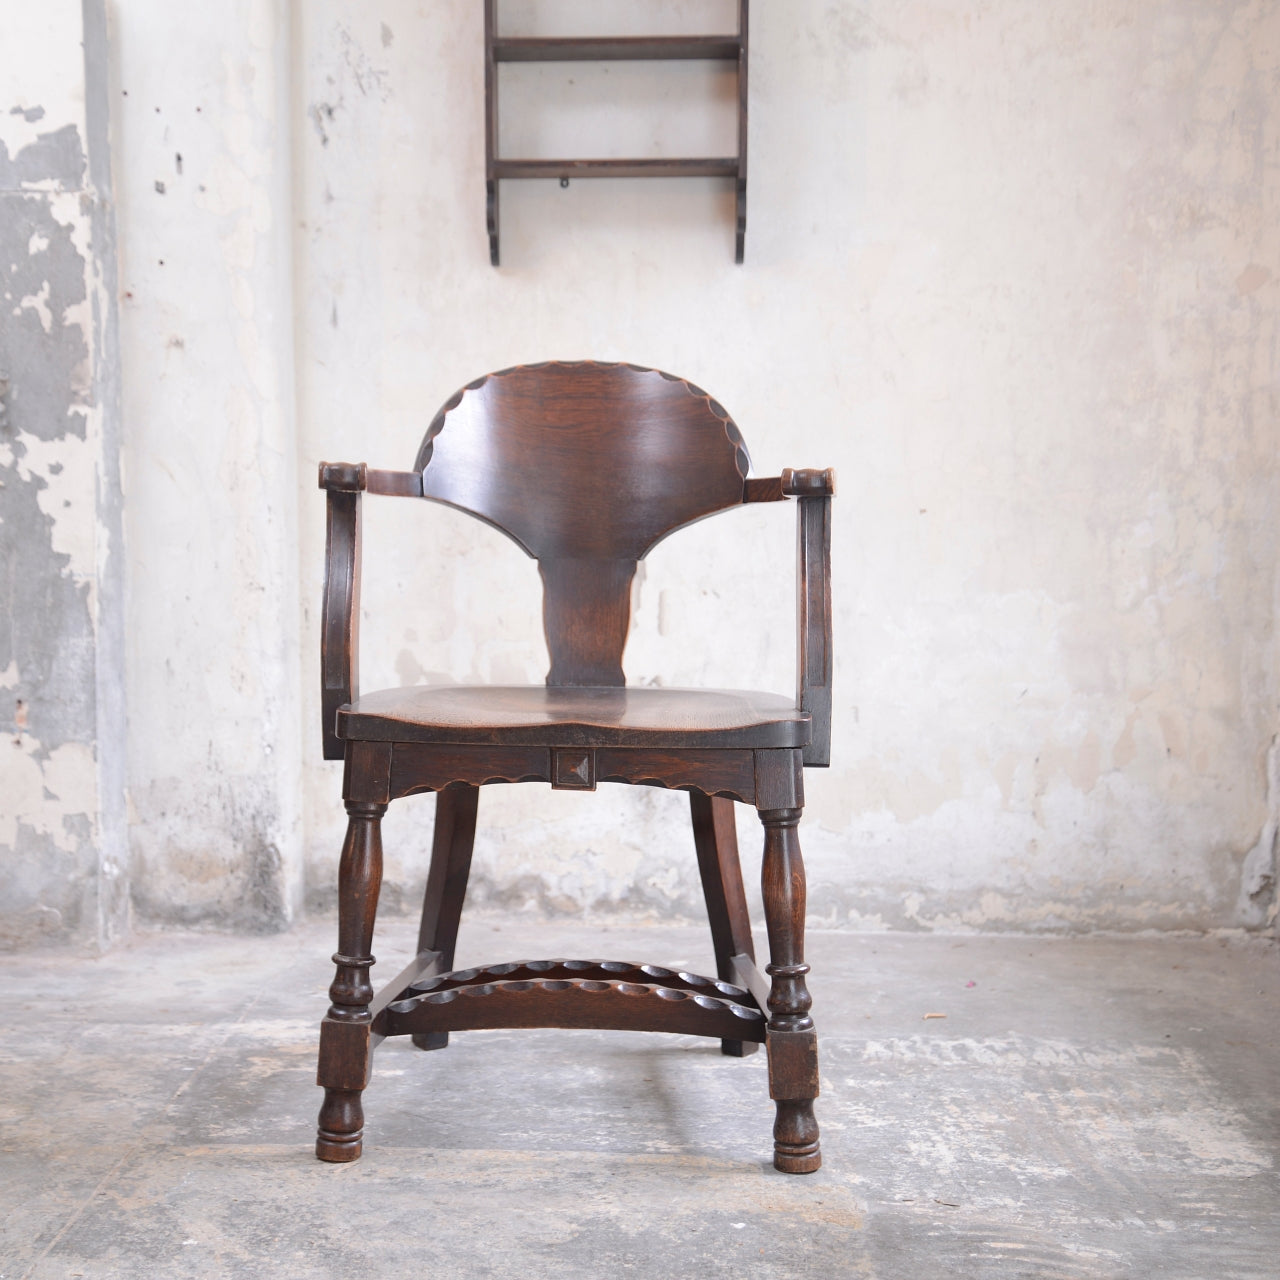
(586, 466)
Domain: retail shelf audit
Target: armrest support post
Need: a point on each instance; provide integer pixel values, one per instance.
(813, 604)
(345, 483)
(340, 619)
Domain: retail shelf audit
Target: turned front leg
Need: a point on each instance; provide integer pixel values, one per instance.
(345, 1044)
(791, 1040)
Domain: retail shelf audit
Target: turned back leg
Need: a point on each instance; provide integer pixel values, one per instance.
(451, 845)
(716, 840)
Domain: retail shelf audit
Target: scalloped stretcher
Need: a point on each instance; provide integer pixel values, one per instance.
(608, 994)
(586, 467)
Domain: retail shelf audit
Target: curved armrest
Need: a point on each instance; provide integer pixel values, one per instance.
(345, 482)
(348, 477)
(814, 489)
(340, 617)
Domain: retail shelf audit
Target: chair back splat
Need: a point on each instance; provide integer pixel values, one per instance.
(586, 466)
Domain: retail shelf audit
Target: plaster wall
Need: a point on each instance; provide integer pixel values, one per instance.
(214, 758)
(1010, 269)
(63, 852)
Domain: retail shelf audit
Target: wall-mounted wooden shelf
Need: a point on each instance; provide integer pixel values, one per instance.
(717, 48)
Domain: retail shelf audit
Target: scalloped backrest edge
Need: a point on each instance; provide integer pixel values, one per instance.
(586, 466)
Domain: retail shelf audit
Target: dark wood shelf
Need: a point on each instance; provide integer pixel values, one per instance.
(713, 48)
(659, 167)
(615, 48)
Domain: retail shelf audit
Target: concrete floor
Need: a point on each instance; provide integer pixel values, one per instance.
(1087, 1108)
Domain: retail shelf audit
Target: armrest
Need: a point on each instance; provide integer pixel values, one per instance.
(340, 617)
(808, 483)
(345, 482)
(790, 484)
(355, 477)
(814, 489)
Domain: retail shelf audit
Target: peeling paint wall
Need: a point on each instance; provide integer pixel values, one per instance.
(63, 853)
(1011, 268)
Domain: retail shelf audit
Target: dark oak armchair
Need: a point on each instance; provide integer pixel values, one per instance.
(586, 466)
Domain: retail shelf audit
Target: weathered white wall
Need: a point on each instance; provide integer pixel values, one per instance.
(1011, 268)
(63, 851)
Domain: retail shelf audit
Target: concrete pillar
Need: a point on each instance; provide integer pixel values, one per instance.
(206, 331)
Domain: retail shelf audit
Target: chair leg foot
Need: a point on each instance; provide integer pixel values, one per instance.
(795, 1137)
(738, 1048)
(428, 1040)
(340, 1132)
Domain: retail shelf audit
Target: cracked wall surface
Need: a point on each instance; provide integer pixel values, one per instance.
(63, 860)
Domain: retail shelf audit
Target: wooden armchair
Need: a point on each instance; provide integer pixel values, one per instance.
(586, 466)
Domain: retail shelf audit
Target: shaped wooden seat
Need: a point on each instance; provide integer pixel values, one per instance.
(576, 717)
(586, 466)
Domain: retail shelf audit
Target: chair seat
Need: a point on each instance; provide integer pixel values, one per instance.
(579, 717)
